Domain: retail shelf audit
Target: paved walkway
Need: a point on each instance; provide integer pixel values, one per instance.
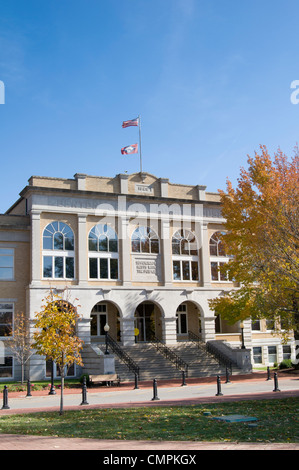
(254, 386)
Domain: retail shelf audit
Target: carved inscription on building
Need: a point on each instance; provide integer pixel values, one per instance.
(146, 266)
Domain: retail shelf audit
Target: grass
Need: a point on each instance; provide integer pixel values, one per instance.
(277, 422)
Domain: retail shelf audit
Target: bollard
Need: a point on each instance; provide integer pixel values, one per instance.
(28, 389)
(218, 387)
(183, 379)
(268, 373)
(84, 393)
(276, 389)
(155, 397)
(5, 399)
(227, 376)
(136, 382)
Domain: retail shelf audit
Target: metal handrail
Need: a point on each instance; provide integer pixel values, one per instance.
(123, 355)
(196, 339)
(219, 356)
(170, 355)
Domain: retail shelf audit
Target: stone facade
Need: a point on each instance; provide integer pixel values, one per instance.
(134, 249)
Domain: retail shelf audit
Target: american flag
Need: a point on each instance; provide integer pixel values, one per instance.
(132, 122)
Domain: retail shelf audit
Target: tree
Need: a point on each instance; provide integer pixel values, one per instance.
(55, 338)
(262, 238)
(20, 344)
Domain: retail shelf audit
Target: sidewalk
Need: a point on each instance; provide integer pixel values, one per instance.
(251, 387)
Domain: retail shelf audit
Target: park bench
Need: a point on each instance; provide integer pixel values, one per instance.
(104, 378)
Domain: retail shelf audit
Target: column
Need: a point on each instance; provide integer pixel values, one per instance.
(166, 253)
(205, 257)
(125, 250)
(82, 258)
(35, 248)
(169, 331)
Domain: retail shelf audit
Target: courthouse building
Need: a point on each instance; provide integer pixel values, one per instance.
(140, 254)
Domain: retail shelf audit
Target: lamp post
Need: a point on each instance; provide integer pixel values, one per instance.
(106, 329)
(242, 334)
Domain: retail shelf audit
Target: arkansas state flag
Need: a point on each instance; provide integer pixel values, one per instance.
(129, 149)
(132, 122)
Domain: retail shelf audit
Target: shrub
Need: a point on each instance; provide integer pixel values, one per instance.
(285, 364)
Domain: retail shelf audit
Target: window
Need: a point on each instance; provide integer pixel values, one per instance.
(218, 258)
(6, 264)
(181, 319)
(69, 371)
(6, 319)
(98, 320)
(257, 355)
(58, 251)
(103, 253)
(185, 256)
(145, 240)
(286, 352)
(272, 354)
(256, 325)
(6, 367)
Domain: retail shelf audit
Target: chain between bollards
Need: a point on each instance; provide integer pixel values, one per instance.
(84, 393)
(5, 399)
(218, 387)
(155, 397)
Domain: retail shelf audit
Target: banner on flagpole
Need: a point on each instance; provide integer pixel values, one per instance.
(129, 149)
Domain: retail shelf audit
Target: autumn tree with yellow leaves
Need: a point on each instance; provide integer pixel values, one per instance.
(56, 336)
(262, 238)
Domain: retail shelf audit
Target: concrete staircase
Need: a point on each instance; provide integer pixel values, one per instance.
(153, 365)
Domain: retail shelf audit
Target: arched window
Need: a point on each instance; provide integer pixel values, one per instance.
(185, 256)
(58, 251)
(218, 257)
(217, 245)
(103, 252)
(145, 240)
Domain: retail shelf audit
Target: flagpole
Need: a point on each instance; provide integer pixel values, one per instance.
(140, 154)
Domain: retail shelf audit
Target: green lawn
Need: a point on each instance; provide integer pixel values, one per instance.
(277, 422)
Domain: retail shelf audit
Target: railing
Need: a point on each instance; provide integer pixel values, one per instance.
(196, 339)
(222, 358)
(170, 355)
(132, 366)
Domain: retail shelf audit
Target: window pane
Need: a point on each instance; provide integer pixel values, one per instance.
(69, 244)
(257, 355)
(154, 246)
(93, 325)
(145, 247)
(58, 266)
(175, 246)
(103, 321)
(92, 244)
(6, 273)
(103, 243)
(176, 270)
(183, 317)
(6, 368)
(104, 268)
(114, 268)
(214, 271)
(286, 352)
(135, 246)
(69, 268)
(194, 265)
(272, 354)
(256, 325)
(113, 246)
(47, 243)
(186, 270)
(58, 241)
(223, 275)
(47, 266)
(93, 268)
(6, 261)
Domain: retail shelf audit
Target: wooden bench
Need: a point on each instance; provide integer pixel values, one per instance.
(107, 378)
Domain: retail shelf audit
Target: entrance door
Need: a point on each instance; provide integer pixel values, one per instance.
(145, 322)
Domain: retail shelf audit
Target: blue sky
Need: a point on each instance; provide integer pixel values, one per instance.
(209, 78)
